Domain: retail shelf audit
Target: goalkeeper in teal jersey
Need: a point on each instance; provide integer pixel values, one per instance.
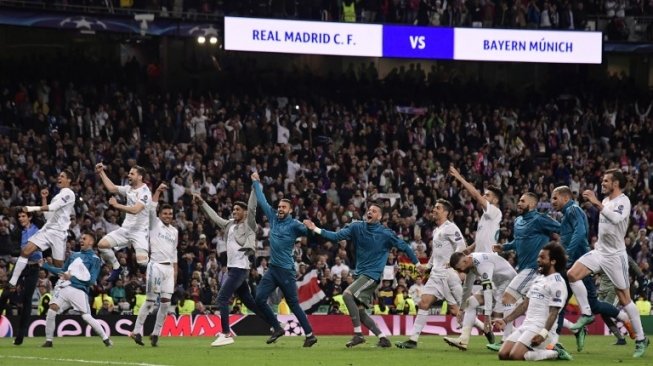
(373, 242)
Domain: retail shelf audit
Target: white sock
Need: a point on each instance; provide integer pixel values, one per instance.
(540, 354)
(622, 316)
(142, 316)
(635, 319)
(566, 323)
(507, 331)
(358, 329)
(21, 263)
(420, 322)
(109, 256)
(95, 325)
(50, 322)
(479, 324)
(161, 317)
(468, 318)
(580, 291)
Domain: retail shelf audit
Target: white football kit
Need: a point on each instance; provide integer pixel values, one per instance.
(443, 282)
(163, 255)
(609, 254)
(54, 233)
(134, 229)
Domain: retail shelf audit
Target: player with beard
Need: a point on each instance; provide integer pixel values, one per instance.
(135, 228)
(284, 230)
(373, 242)
(532, 231)
(609, 255)
(546, 297)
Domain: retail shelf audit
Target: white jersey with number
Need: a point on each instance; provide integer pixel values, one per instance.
(134, 196)
(163, 242)
(59, 210)
(493, 267)
(546, 291)
(613, 225)
(447, 239)
(487, 232)
(235, 257)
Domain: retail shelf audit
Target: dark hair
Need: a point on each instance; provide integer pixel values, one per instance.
(447, 205)
(563, 190)
(455, 258)
(376, 203)
(496, 191)
(558, 254)
(140, 170)
(283, 200)
(532, 195)
(243, 205)
(29, 214)
(165, 206)
(619, 176)
(91, 234)
(69, 174)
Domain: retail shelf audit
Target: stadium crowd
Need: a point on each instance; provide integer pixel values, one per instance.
(319, 143)
(546, 14)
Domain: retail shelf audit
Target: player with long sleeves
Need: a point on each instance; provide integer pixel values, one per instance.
(241, 242)
(546, 297)
(373, 242)
(134, 230)
(54, 233)
(495, 274)
(574, 229)
(79, 273)
(609, 255)
(284, 230)
(532, 231)
(444, 282)
(162, 270)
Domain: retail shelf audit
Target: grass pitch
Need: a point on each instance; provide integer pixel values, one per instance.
(249, 350)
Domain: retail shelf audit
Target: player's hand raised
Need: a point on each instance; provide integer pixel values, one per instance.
(45, 193)
(197, 198)
(99, 168)
(255, 177)
(162, 187)
(113, 201)
(310, 225)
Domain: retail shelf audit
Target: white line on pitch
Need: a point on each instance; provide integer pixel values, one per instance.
(81, 361)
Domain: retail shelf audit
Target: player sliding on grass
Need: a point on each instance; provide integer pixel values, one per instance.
(545, 299)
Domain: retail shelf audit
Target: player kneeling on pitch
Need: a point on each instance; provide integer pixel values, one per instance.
(79, 273)
(544, 301)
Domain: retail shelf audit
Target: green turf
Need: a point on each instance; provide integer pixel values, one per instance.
(329, 351)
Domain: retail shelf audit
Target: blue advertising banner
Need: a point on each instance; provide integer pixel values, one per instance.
(418, 42)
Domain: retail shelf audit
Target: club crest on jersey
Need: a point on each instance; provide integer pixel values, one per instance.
(144, 199)
(457, 235)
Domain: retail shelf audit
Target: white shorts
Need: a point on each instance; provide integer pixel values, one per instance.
(160, 278)
(614, 266)
(122, 238)
(525, 334)
(70, 297)
(520, 285)
(449, 289)
(53, 239)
